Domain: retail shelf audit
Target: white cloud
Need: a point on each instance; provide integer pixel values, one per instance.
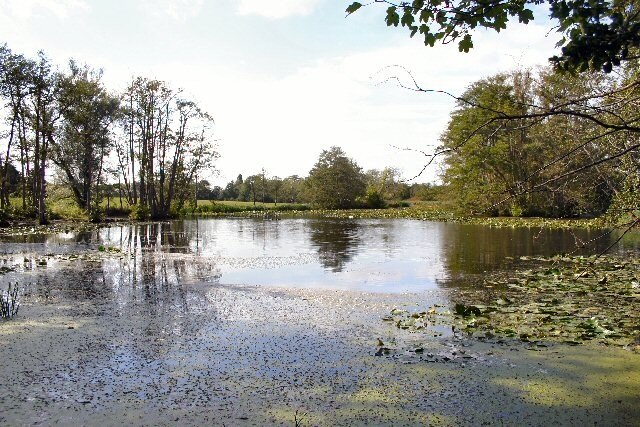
(277, 9)
(282, 124)
(25, 9)
(180, 10)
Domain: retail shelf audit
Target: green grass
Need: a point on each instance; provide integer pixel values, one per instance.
(61, 205)
(207, 207)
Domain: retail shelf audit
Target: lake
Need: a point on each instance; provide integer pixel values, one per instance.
(373, 255)
(250, 322)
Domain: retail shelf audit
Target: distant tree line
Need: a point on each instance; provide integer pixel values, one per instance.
(65, 125)
(335, 182)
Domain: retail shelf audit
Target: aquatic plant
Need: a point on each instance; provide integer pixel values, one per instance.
(9, 304)
(572, 300)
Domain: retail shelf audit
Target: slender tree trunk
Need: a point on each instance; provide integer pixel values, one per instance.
(4, 196)
(42, 214)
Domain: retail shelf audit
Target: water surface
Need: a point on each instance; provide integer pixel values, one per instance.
(385, 255)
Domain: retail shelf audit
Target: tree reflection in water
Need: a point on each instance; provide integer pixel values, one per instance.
(337, 241)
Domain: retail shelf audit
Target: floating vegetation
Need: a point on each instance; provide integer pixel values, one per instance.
(567, 299)
(26, 230)
(427, 321)
(9, 304)
(111, 249)
(433, 214)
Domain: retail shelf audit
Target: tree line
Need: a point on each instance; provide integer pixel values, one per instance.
(335, 182)
(65, 125)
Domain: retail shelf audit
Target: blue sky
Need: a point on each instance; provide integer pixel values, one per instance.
(283, 79)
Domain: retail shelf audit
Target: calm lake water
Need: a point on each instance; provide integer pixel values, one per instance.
(371, 255)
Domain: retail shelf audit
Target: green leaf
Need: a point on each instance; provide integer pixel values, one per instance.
(525, 16)
(392, 17)
(465, 44)
(426, 15)
(407, 18)
(353, 7)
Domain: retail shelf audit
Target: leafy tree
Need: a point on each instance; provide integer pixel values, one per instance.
(216, 193)
(15, 87)
(491, 162)
(426, 192)
(205, 192)
(597, 33)
(250, 188)
(167, 143)
(230, 191)
(335, 181)
(387, 183)
(88, 113)
(275, 184)
(292, 189)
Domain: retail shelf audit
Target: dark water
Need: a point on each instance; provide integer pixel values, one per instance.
(370, 255)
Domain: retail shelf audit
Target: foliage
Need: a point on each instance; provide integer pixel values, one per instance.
(88, 113)
(160, 140)
(374, 199)
(567, 299)
(519, 167)
(426, 192)
(335, 181)
(140, 212)
(240, 207)
(168, 141)
(597, 34)
(387, 183)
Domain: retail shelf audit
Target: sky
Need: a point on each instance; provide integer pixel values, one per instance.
(283, 79)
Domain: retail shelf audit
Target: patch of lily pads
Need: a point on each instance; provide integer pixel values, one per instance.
(566, 299)
(433, 214)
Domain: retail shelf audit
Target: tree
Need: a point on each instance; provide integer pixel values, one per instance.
(230, 191)
(216, 193)
(43, 117)
(292, 189)
(491, 162)
(600, 35)
(387, 183)
(335, 181)
(88, 113)
(31, 90)
(250, 188)
(275, 184)
(167, 142)
(597, 34)
(15, 85)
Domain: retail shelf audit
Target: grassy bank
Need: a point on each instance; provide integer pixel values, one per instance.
(63, 207)
(427, 211)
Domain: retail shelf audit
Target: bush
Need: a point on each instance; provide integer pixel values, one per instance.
(223, 208)
(401, 204)
(5, 216)
(118, 211)
(140, 212)
(96, 215)
(374, 200)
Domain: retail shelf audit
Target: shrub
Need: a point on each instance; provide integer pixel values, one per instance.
(96, 215)
(140, 212)
(374, 199)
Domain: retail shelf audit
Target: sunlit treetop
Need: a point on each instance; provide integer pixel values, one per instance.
(596, 34)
